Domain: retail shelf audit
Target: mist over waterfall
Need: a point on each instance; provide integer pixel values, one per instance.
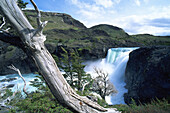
(114, 64)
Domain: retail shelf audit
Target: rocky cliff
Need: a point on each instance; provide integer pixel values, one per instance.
(147, 74)
(12, 55)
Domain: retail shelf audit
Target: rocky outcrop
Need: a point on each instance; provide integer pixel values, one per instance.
(12, 55)
(147, 74)
(15, 56)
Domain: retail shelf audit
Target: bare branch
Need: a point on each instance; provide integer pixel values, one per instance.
(3, 23)
(16, 69)
(3, 19)
(7, 30)
(38, 13)
(40, 24)
(84, 85)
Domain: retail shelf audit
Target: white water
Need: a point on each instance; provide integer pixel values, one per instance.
(18, 82)
(114, 64)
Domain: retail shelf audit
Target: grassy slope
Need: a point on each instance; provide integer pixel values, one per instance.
(148, 39)
(62, 28)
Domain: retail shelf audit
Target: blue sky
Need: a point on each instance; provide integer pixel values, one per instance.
(134, 16)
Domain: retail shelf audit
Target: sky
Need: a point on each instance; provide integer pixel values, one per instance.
(133, 16)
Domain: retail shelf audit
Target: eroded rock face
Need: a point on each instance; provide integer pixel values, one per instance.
(12, 55)
(147, 74)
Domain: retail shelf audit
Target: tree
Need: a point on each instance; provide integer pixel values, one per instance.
(65, 64)
(22, 4)
(102, 85)
(71, 63)
(32, 42)
(78, 68)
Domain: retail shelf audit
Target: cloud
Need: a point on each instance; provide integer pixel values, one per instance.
(117, 1)
(29, 6)
(137, 2)
(141, 24)
(88, 10)
(146, 1)
(155, 20)
(104, 3)
(75, 2)
(160, 22)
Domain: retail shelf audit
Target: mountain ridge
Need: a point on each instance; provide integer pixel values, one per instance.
(92, 43)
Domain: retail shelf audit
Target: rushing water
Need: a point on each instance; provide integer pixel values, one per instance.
(18, 82)
(114, 64)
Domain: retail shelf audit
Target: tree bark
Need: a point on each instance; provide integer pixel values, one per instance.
(32, 41)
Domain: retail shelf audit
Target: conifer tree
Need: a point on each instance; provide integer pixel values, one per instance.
(71, 63)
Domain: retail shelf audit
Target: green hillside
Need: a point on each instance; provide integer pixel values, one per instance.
(147, 39)
(63, 30)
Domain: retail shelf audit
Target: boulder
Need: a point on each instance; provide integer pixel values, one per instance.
(147, 74)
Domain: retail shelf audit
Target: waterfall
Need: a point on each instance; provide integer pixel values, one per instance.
(114, 64)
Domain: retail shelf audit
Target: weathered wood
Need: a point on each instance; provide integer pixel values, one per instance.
(3, 23)
(19, 73)
(33, 42)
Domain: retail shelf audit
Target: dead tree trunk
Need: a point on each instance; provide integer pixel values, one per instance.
(32, 41)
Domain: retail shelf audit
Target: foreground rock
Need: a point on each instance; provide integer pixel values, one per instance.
(147, 74)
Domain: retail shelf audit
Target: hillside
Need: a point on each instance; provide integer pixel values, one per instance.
(63, 30)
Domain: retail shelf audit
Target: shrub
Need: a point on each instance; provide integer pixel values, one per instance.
(156, 106)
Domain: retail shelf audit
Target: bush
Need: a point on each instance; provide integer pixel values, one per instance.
(41, 101)
(156, 106)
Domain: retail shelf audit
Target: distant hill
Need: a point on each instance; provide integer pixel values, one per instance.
(64, 31)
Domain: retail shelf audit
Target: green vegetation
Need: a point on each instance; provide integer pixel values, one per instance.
(64, 30)
(10, 52)
(147, 39)
(22, 4)
(156, 106)
(42, 101)
(71, 63)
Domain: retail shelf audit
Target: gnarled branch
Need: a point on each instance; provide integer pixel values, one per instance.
(19, 73)
(40, 24)
(3, 23)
